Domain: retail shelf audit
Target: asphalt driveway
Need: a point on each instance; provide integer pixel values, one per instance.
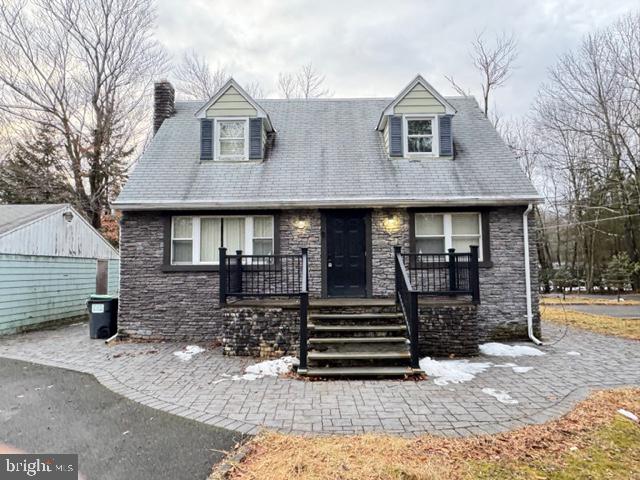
(52, 410)
(618, 311)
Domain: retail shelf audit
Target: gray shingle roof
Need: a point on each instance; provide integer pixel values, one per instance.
(326, 152)
(14, 216)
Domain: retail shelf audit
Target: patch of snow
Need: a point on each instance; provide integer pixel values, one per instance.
(574, 354)
(522, 369)
(273, 368)
(452, 371)
(495, 349)
(628, 414)
(188, 352)
(500, 395)
(506, 365)
(268, 368)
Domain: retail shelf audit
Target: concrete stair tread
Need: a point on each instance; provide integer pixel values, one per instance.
(354, 316)
(367, 355)
(359, 372)
(356, 328)
(328, 340)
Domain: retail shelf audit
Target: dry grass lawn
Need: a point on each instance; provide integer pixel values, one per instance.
(591, 442)
(578, 300)
(621, 327)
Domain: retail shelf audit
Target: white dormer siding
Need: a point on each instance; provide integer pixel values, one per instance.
(233, 127)
(419, 101)
(231, 104)
(418, 123)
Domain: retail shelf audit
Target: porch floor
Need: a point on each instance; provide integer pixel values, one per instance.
(341, 302)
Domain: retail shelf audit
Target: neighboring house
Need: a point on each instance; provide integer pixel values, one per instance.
(349, 180)
(51, 260)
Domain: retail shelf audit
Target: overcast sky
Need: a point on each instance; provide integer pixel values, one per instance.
(374, 48)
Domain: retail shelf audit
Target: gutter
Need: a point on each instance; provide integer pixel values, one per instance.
(324, 203)
(527, 274)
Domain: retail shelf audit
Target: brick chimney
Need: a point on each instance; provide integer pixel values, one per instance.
(163, 103)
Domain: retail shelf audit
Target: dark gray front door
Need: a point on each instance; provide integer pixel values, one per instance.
(346, 254)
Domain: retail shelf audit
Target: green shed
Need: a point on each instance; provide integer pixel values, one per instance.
(51, 261)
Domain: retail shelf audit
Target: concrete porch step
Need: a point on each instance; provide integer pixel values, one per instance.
(355, 316)
(359, 372)
(365, 355)
(331, 340)
(356, 328)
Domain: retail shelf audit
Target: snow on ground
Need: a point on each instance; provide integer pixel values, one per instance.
(268, 368)
(272, 368)
(452, 371)
(502, 350)
(573, 354)
(628, 414)
(188, 352)
(500, 395)
(522, 369)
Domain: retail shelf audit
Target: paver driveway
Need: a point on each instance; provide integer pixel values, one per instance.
(201, 388)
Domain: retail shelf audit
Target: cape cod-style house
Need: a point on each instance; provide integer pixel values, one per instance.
(357, 233)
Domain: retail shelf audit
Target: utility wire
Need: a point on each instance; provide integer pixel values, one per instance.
(564, 225)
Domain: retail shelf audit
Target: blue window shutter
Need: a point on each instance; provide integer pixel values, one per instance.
(255, 138)
(206, 139)
(395, 136)
(446, 135)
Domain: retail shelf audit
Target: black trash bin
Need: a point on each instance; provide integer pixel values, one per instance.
(103, 311)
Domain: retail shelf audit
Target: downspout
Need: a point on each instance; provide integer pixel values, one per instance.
(527, 274)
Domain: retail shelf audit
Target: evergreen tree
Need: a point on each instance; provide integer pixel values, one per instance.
(619, 272)
(32, 173)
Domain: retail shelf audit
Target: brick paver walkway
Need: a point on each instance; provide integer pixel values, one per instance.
(201, 388)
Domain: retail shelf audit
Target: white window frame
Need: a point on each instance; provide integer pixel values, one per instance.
(195, 236)
(447, 230)
(173, 238)
(435, 135)
(216, 133)
(273, 232)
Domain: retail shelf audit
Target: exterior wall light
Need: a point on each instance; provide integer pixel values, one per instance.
(300, 223)
(391, 223)
(68, 216)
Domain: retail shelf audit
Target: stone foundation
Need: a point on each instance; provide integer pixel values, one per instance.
(260, 332)
(448, 330)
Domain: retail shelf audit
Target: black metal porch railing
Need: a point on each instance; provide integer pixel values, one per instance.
(444, 274)
(407, 299)
(448, 274)
(260, 276)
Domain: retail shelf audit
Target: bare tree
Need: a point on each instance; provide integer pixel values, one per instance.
(587, 113)
(306, 83)
(254, 89)
(83, 69)
(196, 78)
(287, 85)
(494, 61)
(311, 83)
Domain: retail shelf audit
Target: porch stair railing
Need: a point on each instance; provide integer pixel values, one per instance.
(261, 276)
(417, 274)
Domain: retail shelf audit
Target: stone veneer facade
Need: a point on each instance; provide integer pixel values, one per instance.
(183, 305)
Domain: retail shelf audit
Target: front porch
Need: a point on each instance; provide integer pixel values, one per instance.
(267, 311)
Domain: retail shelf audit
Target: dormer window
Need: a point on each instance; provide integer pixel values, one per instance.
(422, 136)
(232, 139)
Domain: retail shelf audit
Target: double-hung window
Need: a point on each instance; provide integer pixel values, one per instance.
(421, 136)
(232, 139)
(195, 240)
(438, 232)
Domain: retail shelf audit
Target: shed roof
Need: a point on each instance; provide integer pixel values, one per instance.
(15, 216)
